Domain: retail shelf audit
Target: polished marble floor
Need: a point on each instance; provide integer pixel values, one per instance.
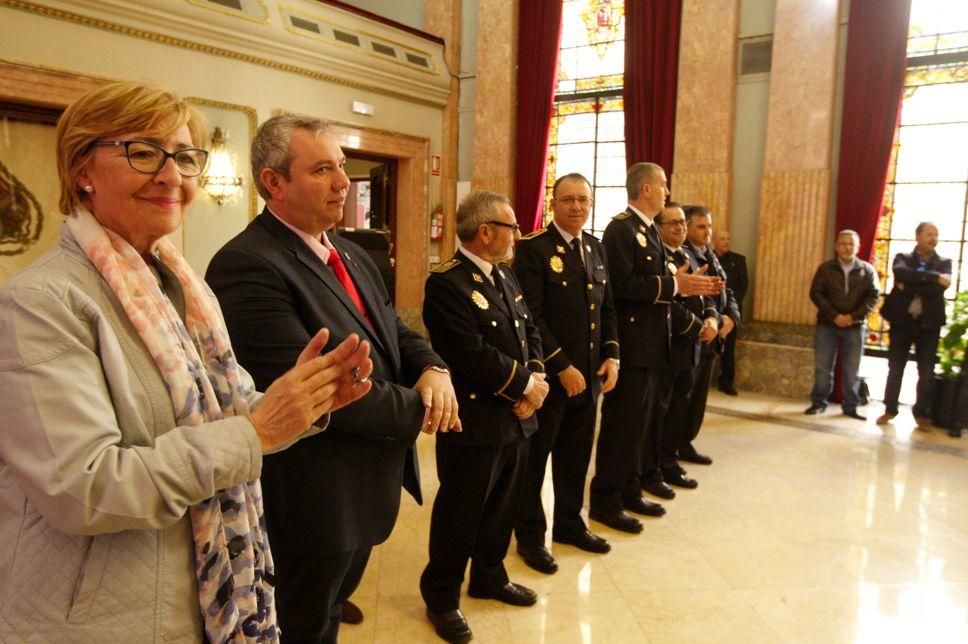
(805, 529)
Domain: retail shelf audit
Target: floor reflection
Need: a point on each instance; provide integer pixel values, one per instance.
(804, 530)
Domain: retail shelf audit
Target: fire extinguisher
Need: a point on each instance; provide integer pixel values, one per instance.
(437, 223)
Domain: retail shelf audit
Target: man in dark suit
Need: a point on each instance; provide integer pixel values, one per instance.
(685, 350)
(737, 279)
(699, 229)
(479, 322)
(915, 308)
(564, 276)
(330, 498)
(643, 288)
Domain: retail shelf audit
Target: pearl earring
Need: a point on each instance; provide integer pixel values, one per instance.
(88, 189)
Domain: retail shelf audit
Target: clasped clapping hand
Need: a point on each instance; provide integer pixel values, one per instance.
(317, 385)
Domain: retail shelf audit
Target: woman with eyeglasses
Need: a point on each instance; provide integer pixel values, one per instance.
(131, 441)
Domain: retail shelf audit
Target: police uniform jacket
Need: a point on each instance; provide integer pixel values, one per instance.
(737, 276)
(686, 350)
(490, 344)
(643, 287)
(571, 302)
(725, 302)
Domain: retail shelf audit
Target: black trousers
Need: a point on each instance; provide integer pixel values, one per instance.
(727, 361)
(313, 618)
(627, 414)
(659, 444)
(566, 432)
(925, 341)
(696, 411)
(473, 516)
(676, 421)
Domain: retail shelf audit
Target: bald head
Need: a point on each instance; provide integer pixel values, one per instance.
(721, 241)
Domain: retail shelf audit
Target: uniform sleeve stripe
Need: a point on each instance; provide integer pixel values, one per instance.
(553, 354)
(514, 369)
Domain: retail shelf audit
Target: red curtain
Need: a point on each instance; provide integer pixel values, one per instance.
(651, 77)
(873, 82)
(539, 35)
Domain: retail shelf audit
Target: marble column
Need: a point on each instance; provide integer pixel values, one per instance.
(496, 97)
(443, 18)
(705, 106)
(795, 190)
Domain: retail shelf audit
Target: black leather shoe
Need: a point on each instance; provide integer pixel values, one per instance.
(350, 613)
(679, 479)
(853, 414)
(694, 457)
(729, 390)
(659, 489)
(619, 520)
(815, 409)
(451, 626)
(641, 506)
(539, 558)
(585, 540)
(509, 593)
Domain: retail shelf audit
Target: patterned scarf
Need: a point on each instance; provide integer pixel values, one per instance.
(232, 559)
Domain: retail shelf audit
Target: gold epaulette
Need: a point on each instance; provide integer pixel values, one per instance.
(625, 214)
(540, 231)
(446, 266)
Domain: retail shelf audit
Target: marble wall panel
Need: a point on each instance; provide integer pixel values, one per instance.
(710, 189)
(802, 85)
(443, 18)
(494, 118)
(707, 86)
(793, 214)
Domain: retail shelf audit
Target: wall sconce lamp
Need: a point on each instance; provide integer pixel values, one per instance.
(221, 180)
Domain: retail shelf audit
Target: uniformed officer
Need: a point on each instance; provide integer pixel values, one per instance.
(699, 222)
(480, 325)
(643, 288)
(563, 274)
(685, 350)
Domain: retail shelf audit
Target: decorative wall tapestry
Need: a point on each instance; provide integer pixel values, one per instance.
(21, 217)
(29, 216)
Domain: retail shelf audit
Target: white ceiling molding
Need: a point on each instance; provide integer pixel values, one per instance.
(299, 36)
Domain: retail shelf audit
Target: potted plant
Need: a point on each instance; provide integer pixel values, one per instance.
(951, 394)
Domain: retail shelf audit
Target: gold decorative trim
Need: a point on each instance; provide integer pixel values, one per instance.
(208, 49)
(253, 117)
(287, 25)
(202, 4)
(553, 354)
(514, 370)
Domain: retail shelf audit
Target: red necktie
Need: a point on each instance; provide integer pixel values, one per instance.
(335, 262)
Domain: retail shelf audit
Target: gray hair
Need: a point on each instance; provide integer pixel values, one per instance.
(848, 231)
(270, 147)
(479, 207)
(638, 175)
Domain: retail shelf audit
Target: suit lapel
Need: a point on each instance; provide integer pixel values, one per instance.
(310, 260)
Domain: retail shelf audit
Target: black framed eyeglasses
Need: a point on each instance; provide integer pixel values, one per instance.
(515, 227)
(148, 158)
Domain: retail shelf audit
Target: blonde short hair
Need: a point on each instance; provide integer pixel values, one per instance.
(110, 110)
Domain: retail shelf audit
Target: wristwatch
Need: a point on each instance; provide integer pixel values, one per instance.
(438, 369)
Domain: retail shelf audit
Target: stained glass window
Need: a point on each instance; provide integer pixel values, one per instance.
(928, 175)
(588, 124)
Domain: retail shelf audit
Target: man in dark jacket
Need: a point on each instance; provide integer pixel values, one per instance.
(480, 324)
(844, 291)
(564, 278)
(915, 310)
(737, 280)
(330, 498)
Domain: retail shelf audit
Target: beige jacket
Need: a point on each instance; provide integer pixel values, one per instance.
(95, 479)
